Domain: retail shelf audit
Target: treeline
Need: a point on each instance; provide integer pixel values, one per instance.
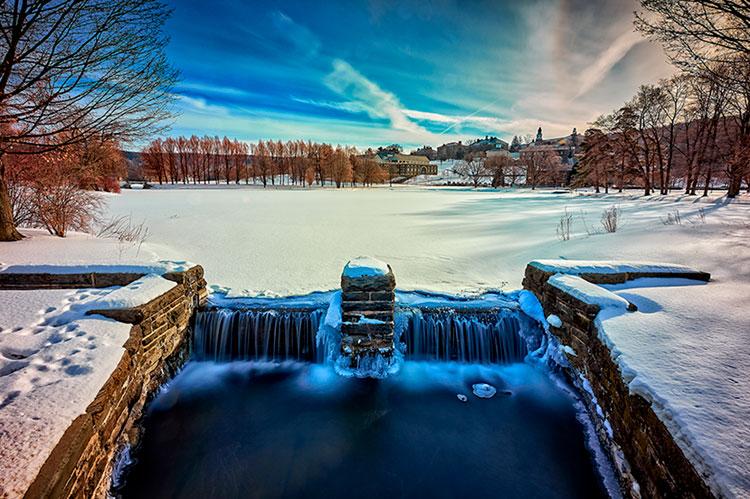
(193, 160)
(690, 131)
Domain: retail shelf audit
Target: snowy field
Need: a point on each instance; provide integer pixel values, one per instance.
(685, 349)
(285, 242)
(291, 242)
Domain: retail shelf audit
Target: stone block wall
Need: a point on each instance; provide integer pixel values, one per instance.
(82, 462)
(651, 456)
(367, 306)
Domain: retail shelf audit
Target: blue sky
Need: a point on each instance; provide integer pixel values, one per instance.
(375, 72)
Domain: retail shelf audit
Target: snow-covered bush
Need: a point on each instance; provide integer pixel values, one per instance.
(672, 218)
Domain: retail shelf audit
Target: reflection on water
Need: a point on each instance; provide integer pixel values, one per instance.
(246, 429)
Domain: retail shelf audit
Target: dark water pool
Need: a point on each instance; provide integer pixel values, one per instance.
(299, 430)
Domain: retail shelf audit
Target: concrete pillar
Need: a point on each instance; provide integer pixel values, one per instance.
(367, 303)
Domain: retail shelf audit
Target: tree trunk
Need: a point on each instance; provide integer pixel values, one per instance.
(735, 185)
(8, 230)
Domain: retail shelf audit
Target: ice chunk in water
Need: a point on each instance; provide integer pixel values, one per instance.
(483, 390)
(462, 397)
(554, 321)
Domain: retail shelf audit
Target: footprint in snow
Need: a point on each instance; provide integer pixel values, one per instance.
(77, 370)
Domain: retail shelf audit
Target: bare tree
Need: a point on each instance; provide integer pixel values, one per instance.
(543, 165)
(597, 164)
(473, 168)
(499, 166)
(76, 68)
(698, 34)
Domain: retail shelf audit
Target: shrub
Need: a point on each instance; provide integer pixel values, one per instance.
(21, 203)
(563, 227)
(63, 206)
(672, 218)
(611, 219)
(125, 232)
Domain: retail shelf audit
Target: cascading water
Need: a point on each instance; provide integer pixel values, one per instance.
(249, 334)
(486, 337)
(468, 337)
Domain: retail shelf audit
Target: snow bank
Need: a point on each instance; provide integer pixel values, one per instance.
(50, 371)
(591, 294)
(365, 266)
(684, 352)
(575, 267)
(160, 267)
(136, 293)
(53, 361)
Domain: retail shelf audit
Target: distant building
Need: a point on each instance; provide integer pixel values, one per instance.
(427, 151)
(499, 152)
(405, 165)
(568, 147)
(457, 150)
(451, 150)
(489, 144)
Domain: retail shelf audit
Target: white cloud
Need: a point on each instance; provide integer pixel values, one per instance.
(364, 95)
(595, 73)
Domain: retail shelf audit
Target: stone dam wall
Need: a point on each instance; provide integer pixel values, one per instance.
(641, 447)
(82, 462)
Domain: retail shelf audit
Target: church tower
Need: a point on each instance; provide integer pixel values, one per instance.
(539, 135)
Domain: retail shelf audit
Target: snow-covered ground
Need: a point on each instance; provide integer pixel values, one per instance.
(686, 351)
(291, 242)
(441, 239)
(54, 359)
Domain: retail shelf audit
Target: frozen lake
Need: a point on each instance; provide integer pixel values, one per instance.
(443, 239)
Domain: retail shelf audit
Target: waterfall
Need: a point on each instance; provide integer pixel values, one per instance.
(270, 334)
(298, 334)
(477, 337)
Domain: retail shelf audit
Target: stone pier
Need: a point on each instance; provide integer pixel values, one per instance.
(367, 303)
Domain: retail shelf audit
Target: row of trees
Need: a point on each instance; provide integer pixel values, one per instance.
(297, 163)
(536, 166)
(691, 130)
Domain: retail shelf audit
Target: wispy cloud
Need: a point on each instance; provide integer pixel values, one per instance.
(404, 72)
(303, 40)
(365, 95)
(595, 73)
